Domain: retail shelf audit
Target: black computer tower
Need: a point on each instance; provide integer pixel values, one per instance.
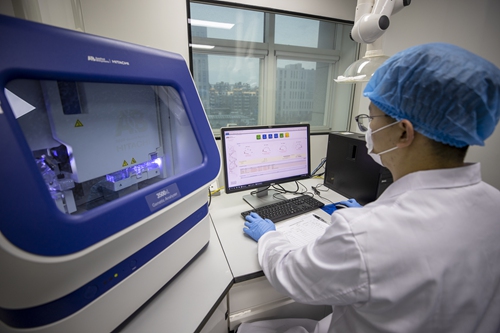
(350, 171)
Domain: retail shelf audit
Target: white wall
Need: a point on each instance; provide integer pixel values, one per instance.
(473, 25)
(160, 24)
(6, 8)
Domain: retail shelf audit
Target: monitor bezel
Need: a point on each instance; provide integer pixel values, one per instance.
(228, 189)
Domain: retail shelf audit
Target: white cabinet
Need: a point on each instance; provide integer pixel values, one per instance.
(256, 299)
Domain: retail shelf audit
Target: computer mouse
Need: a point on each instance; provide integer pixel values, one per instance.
(340, 206)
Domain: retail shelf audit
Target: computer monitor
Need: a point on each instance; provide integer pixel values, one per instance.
(256, 157)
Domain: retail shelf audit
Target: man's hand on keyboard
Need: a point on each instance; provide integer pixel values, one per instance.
(256, 226)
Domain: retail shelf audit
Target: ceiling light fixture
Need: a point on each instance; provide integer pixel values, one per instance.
(211, 24)
(201, 46)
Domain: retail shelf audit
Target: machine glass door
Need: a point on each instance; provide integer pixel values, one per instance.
(96, 142)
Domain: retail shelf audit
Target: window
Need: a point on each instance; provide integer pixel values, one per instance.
(253, 67)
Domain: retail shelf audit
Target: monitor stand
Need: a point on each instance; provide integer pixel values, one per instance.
(263, 197)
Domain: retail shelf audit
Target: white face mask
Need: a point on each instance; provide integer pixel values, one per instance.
(369, 143)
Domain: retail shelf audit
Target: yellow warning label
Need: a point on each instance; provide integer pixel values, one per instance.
(133, 161)
(78, 123)
(124, 163)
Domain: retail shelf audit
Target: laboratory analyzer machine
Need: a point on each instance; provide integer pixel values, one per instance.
(107, 159)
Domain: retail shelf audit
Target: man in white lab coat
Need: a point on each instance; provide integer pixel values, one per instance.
(423, 257)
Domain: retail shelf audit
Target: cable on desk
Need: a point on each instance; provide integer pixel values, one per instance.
(298, 190)
(320, 165)
(214, 192)
(301, 189)
(209, 197)
(318, 189)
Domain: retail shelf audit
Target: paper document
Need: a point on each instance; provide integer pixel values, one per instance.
(303, 229)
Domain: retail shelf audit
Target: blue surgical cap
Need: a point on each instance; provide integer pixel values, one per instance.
(449, 94)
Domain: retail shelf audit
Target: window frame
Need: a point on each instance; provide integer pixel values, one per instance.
(268, 52)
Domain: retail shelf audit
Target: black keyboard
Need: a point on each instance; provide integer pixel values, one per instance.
(285, 209)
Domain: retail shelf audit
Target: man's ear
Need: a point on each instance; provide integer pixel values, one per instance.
(407, 133)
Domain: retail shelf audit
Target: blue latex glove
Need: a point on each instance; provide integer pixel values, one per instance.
(256, 226)
(351, 203)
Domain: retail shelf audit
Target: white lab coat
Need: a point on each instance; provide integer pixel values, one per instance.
(424, 257)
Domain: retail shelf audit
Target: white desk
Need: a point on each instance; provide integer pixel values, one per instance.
(187, 302)
(241, 250)
(252, 297)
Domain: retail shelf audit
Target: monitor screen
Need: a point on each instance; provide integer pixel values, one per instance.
(260, 156)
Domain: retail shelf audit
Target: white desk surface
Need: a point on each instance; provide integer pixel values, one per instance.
(186, 301)
(241, 250)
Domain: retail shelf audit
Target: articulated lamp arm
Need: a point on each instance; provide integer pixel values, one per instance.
(371, 20)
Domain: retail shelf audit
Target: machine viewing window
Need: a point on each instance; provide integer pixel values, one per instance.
(260, 156)
(96, 142)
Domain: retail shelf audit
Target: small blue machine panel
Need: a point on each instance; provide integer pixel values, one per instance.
(104, 144)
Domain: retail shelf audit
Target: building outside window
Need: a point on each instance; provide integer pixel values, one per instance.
(254, 67)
